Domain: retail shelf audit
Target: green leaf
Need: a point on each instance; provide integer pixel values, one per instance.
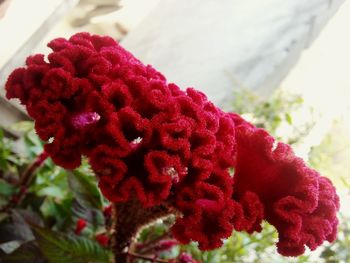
(4, 151)
(3, 216)
(26, 216)
(34, 146)
(85, 189)
(62, 248)
(6, 189)
(327, 253)
(91, 215)
(27, 252)
(10, 246)
(59, 213)
(1, 135)
(289, 118)
(23, 126)
(11, 232)
(52, 190)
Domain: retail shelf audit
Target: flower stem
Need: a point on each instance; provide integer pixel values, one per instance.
(149, 246)
(151, 259)
(127, 220)
(25, 180)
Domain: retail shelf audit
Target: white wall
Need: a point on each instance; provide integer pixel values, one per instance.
(216, 46)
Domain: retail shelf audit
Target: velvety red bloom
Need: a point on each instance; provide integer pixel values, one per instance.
(300, 203)
(204, 206)
(80, 226)
(148, 140)
(94, 98)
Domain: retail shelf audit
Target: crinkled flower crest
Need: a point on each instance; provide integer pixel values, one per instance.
(148, 140)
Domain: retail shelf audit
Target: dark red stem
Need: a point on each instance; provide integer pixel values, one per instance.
(152, 259)
(149, 246)
(25, 180)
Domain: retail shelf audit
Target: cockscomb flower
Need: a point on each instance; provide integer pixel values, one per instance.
(300, 203)
(149, 141)
(93, 98)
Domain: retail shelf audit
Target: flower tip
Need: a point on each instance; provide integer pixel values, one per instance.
(102, 239)
(80, 225)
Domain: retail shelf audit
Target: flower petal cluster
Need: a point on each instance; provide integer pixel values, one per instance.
(148, 140)
(297, 201)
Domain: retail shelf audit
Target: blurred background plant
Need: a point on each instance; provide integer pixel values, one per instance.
(64, 218)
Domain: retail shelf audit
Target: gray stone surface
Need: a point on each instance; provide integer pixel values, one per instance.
(216, 46)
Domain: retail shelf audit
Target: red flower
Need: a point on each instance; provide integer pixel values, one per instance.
(149, 140)
(103, 239)
(94, 98)
(207, 213)
(80, 225)
(300, 203)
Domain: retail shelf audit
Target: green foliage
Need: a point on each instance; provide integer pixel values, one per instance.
(155, 231)
(63, 248)
(9, 162)
(274, 114)
(331, 156)
(40, 228)
(88, 202)
(27, 252)
(244, 247)
(6, 189)
(4, 151)
(339, 250)
(85, 189)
